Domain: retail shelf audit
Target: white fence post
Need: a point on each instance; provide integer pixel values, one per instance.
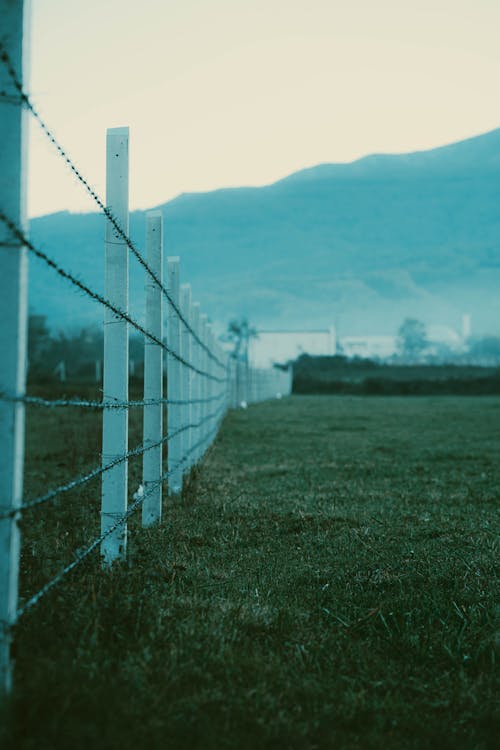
(115, 386)
(236, 378)
(153, 374)
(174, 380)
(228, 379)
(186, 347)
(211, 405)
(233, 374)
(196, 412)
(212, 384)
(239, 382)
(205, 381)
(13, 318)
(244, 382)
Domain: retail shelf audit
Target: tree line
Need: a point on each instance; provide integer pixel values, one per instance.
(414, 347)
(78, 355)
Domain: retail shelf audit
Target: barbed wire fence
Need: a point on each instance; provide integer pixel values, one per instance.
(202, 379)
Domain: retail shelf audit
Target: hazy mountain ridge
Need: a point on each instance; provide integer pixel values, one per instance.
(365, 243)
(479, 152)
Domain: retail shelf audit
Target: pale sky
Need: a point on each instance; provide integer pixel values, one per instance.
(242, 92)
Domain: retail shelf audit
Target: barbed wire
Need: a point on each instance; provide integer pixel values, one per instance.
(213, 418)
(19, 234)
(5, 59)
(98, 471)
(81, 556)
(103, 405)
(15, 100)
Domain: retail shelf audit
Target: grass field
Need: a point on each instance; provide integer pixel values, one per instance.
(326, 581)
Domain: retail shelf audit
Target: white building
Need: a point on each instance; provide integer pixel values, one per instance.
(278, 347)
(382, 347)
(368, 347)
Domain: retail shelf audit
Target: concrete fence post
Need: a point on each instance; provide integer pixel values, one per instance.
(228, 384)
(212, 384)
(174, 380)
(205, 381)
(115, 384)
(232, 383)
(195, 323)
(239, 382)
(217, 388)
(246, 381)
(186, 375)
(233, 364)
(153, 374)
(13, 317)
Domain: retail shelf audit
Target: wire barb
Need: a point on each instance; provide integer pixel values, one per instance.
(81, 556)
(103, 405)
(18, 97)
(98, 471)
(19, 234)
(25, 99)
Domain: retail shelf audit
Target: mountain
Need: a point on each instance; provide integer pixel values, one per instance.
(364, 244)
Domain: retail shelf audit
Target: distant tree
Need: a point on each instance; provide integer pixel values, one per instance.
(485, 349)
(78, 350)
(412, 339)
(39, 340)
(240, 332)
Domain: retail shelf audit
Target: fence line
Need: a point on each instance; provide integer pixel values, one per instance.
(139, 499)
(114, 309)
(98, 471)
(199, 372)
(98, 405)
(25, 100)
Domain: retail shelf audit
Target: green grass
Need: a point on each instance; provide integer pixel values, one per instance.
(327, 580)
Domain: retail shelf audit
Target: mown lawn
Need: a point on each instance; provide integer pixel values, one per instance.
(326, 581)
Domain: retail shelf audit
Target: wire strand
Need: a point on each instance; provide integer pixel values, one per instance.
(102, 405)
(81, 556)
(98, 471)
(24, 98)
(19, 234)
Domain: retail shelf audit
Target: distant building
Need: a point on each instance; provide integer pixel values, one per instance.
(278, 347)
(369, 347)
(443, 336)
